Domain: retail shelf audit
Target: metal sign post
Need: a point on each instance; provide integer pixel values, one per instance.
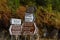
(16, 37)
(28, 27)
(11, 37)
(15, 28)
(25, 37)
(31, 37)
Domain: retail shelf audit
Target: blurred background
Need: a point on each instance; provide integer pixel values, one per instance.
(47, 16)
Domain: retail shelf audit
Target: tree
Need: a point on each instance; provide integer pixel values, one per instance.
(56, 5)
(13, 5)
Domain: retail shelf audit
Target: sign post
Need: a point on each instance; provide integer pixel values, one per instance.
(29, 27)
(16, 37)
(11, 37)
(15, 28)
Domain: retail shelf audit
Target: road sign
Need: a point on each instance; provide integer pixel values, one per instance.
(28, 28)
(15, 30)
(15, 21)
(29, 17)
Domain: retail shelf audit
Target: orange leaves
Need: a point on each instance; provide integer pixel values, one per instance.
(3, 4)
(45, 17)
(21, 11)
(5, 15)
(4, 7)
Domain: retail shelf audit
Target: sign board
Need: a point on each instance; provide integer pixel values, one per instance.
(15, 21)
(15, 30)
(28, 28)
(29, 17)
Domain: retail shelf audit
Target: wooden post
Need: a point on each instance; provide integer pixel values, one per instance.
(25, 37)
(16, 37)
(11, 37)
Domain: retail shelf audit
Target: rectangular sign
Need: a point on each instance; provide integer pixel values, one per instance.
(29, 17)
(15, 21)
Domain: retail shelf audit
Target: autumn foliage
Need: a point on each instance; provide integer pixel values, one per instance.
(21, 10)
(43, 18)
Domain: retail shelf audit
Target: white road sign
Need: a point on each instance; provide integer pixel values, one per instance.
(15, 30)
(15, 21)
(29, 17)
